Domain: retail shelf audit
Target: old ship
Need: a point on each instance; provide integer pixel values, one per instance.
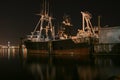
(44, 40)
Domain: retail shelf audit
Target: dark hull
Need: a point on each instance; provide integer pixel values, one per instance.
(59, 47)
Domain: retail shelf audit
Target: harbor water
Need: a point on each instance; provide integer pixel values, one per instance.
(16, 64)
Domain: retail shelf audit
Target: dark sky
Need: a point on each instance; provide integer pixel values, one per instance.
(17, 17)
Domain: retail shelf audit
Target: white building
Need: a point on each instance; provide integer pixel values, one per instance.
(109, 35)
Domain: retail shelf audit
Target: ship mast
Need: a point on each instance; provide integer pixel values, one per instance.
(86, 19)
(99, 26)
(44, 24)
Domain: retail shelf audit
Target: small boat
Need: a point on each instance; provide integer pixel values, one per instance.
(44, 40)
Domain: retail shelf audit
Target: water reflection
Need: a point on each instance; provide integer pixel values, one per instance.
(51, 68)
(8, 52)
(44, 67)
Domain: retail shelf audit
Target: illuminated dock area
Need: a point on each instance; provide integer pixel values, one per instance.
(9, 46)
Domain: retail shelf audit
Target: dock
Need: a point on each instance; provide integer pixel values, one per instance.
(107, 49)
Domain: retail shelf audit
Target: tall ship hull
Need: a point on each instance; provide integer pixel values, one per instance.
(58, 47)
(69, 49)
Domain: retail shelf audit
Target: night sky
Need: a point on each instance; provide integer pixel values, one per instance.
(17, 17)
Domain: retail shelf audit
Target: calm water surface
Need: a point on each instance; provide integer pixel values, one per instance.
(17, 65)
